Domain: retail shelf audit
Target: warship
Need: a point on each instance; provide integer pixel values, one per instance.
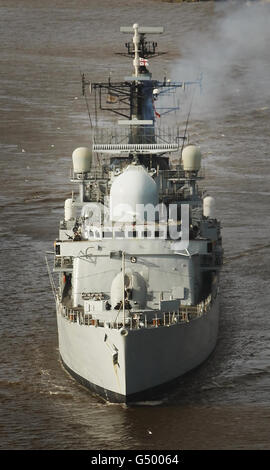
(139, 249)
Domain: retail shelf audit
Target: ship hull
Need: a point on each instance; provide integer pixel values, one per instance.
(124, 367)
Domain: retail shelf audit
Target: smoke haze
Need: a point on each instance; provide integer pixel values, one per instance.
(233, 55)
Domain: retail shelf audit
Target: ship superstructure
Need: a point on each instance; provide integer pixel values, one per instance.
(139, 250)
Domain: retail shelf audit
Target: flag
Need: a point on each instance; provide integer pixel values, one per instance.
(112, 97)
(156, 113)
(144, 62)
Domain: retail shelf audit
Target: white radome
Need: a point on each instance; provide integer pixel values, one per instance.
(191, 158)
(69, 210)
(130, 193)
(209, 207)
(82, 159)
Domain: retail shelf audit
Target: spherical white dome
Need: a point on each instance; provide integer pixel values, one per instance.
(130, 193)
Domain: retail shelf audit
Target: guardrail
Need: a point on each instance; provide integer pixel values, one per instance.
(185, 314)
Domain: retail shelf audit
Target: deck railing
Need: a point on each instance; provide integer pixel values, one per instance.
(185, 314)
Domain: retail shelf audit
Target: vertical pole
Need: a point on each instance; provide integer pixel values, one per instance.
(136, 41)
(82, 191)
(123, 271)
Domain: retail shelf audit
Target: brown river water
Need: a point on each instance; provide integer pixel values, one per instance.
(225, 403)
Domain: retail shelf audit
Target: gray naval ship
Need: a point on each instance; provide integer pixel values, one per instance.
(139, 250)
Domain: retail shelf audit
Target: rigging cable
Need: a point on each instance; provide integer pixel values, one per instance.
(89, 114)
(187, 121)
(88, 110)
(91, 123)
